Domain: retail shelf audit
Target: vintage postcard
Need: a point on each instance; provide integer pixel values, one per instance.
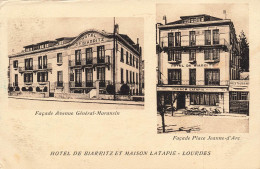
(129, 84)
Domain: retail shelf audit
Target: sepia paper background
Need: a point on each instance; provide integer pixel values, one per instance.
(26, 140)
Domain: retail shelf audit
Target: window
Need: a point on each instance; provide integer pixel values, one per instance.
(170, 40)
(130, 76)
(177, 38)
(238, 96)
(89, 56)
(59, 57)
(174, 55)
(130, 59)
(28, 64)
(215, 54)
(174, 76)
(28, 77)
(137, 63)
(127, 62)
(212, 77)
(15, 64)
(40, 62)
(133, 77)
(192, 77)
(89, 77)
(59, 79)
(212, 54)
(71, 75)
(133, 61)
(78, 57)
(101, 76)
(207, 54)
(42, 76)
(211, 99)
(192, 20)
(207, 37)
(44, 62)
(122, 75)
(192, 56)
(215, 37)
(101, 54)
(192, 38)
(127, 76)
(136, 78)
(122, 55)
(16, 80)
(78, 78)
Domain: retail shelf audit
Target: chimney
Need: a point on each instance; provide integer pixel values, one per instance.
(116, 29)
(137, 41)
(165, 19)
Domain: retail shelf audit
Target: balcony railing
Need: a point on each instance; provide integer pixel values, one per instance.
(81, 62)
(90, 84)
(35, 68)
(105, 60)
(197, 82)
(198, 42)
(211, 58)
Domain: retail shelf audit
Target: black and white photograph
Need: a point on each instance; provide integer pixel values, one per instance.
(76, 62)
(203, 68)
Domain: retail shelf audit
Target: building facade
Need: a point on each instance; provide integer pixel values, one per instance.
(198, 58)
(78, 65)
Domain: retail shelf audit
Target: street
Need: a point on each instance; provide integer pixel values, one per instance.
(46, 104)
(203, 124)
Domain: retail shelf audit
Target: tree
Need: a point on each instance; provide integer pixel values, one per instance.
(162, 99)
(244, 51)
(161, 107)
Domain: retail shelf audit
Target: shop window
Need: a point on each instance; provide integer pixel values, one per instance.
(210, 99)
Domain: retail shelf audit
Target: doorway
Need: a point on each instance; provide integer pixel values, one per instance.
(181, 101)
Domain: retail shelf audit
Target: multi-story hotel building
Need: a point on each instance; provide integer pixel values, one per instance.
(198, 61)
(78, 64)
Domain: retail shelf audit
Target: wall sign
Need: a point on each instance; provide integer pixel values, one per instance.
(191, 89)
(89, 39)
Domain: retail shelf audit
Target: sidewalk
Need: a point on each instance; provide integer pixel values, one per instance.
(180, 113)
(82, 101)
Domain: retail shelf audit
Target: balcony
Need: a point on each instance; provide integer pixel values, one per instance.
(43, 67)
(81, 62)
(35, 68)
(89, 84)
(198, 43)
(100, 61)
(192, 60)
(211, 59)
(174, 61)
(194, 83)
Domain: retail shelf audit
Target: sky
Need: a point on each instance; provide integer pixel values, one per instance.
(238, 13)
(26, 31)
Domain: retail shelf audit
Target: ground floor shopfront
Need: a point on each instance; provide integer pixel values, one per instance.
(185, 96)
